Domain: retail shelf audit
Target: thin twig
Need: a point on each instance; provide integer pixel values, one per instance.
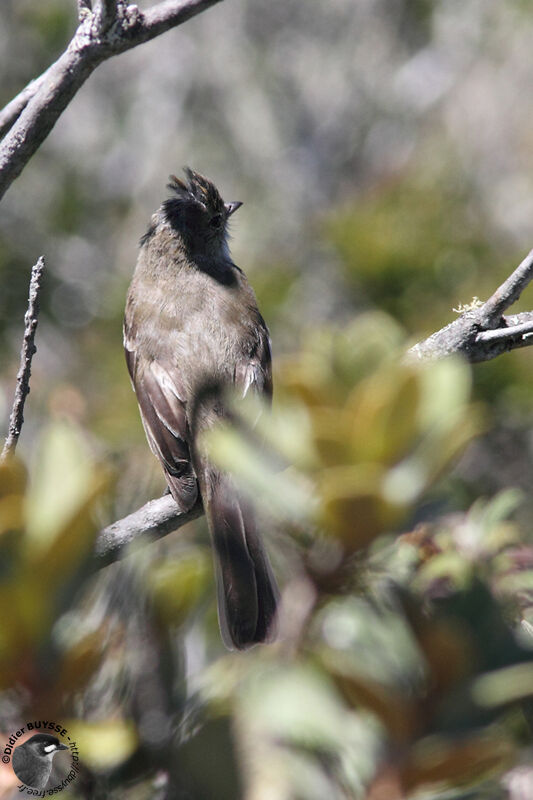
(503, 334)
(508, 293)
(26, 354)
(152, 521)
(34, 112)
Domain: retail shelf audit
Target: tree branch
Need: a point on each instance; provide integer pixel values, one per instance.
(483, 333)
(152, 521)
(84, 8)
(508, 293)
(109, 29)
(12, 111)
(22, 389)
(166, 15)
(105, 14)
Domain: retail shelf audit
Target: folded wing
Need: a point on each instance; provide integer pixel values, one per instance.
(163, 414)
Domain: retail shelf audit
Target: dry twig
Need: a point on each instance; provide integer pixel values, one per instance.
(26, 354)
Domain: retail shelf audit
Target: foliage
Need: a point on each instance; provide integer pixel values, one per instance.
(409, 630)
(400, 665)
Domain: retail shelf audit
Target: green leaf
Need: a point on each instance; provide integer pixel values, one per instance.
(105, 744)
(61, 476)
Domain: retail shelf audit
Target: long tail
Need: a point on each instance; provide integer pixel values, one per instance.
(247, 590)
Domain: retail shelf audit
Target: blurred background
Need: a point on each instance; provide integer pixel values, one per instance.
(383, 150)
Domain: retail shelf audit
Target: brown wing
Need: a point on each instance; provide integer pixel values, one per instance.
(255, 373)
(164, 418)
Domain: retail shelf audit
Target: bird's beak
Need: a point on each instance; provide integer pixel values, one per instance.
(231, 207)
(62, 746)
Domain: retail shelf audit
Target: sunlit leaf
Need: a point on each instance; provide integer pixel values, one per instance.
(62, 479)
(277, 492)
(504, 685)
(384, 415)
(105, 744)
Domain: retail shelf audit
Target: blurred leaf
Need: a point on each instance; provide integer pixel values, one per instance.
(437, 760)
(296, 703)
(105, 744)
(352, 505)
(177, 585)
(209, 763)
(382, 413)
(294, 712)
(488, 515)
(63, 480)
(446, 387)
(504, 685)
(74, 538)
(81, 660)
(394, 708)
(13, 477)
(450, 567)
(448, 651)
(13, 481)
(282, 494)
(11, 513)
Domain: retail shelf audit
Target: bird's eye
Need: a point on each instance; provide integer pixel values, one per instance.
(215, 221)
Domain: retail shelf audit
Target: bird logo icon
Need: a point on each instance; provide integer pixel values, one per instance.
(32, 760)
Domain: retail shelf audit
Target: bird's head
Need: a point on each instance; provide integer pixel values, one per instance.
(197, 211)
(43, 745)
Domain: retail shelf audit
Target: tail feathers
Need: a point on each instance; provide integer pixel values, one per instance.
(247, 590)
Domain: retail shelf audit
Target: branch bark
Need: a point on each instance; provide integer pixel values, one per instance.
(105, 14)
(484, 332)
(152, 521)
(109, 29)
(22, 389)
(12, 111)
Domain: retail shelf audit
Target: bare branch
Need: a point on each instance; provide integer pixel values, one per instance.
(484, 333)
(12, 111)
(508, 293)
(84, 8)
(152, 521)
(163, 16)
(33, 114)
(105, 14)
(26, 354)
(504, 334)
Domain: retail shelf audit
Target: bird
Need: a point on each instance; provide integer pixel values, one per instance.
(32, 760)
(192, 329)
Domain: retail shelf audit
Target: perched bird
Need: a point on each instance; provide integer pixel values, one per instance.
(192, 328)
(32, 760)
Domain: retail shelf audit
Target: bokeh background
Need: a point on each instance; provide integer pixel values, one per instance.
(383, 150)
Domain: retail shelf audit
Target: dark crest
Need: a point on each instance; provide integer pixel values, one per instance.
(197, 189)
